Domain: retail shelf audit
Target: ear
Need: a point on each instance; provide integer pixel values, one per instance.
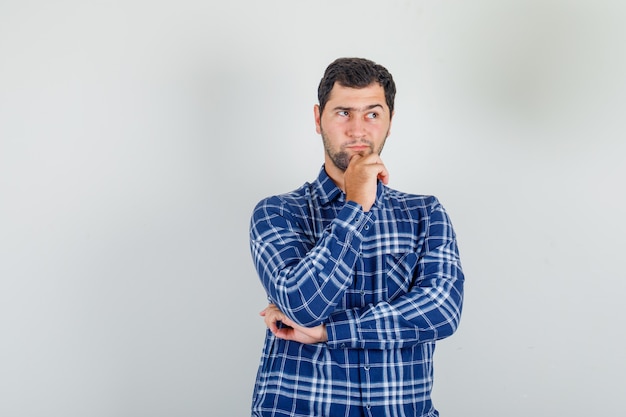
(318, 118)
(390, 120)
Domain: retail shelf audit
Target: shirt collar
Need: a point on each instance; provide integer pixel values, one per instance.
(326, 187)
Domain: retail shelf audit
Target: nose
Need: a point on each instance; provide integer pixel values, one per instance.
(356, 128)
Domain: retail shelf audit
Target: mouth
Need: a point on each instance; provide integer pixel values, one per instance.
(358, 148)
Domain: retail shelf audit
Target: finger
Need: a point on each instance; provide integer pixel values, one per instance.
(273, 327)
(384, 176)
(354, 159)
(267, 309)
(268, 318)
(285, 333)
(379, 166)
(272, 318)
(271, 324)
(371, 158)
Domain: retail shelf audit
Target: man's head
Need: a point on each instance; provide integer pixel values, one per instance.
(354, 112)
(355, 73)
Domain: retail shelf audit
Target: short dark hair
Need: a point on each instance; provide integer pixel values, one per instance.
(355, 73)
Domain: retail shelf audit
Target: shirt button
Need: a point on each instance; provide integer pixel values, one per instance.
(343, 346)
(367, 227)
(366, 367)
(362, 292)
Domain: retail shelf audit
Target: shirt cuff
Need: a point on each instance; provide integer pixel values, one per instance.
(351, 218)
(342, 330)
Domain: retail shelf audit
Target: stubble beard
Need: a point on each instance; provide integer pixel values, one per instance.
(341, 158)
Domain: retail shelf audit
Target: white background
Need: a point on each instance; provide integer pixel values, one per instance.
(136, 137)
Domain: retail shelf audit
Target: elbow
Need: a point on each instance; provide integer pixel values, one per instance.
(454, 324)
(309, 321)
(454, 319)
(305, 314)
(456, 303)
(306, 308)
(447, 328)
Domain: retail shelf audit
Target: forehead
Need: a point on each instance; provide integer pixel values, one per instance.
(350, 97)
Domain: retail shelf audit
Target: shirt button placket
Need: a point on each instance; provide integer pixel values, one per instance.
(366, 387)
(368, 406)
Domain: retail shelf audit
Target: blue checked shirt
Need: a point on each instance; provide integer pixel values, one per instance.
(387, 284)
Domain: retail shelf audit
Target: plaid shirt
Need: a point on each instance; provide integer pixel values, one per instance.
(387, 283)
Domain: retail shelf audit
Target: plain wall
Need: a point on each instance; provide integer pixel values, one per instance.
(136, 137)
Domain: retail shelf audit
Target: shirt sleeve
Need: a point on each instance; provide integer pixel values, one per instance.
(305, 279)
(430, 310)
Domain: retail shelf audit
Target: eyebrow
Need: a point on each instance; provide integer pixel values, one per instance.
(370, 107)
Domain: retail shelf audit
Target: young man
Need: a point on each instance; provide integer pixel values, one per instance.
(362, 279)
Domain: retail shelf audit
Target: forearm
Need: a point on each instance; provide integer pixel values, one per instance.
(419, 316)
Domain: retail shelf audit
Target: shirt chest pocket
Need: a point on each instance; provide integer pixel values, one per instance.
(401, 273)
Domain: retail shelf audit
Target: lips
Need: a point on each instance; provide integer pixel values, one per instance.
(358, 148)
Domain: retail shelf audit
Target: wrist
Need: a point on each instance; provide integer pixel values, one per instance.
(323, 333)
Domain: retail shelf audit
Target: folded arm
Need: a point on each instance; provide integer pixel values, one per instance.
(428, 311)
(306, 279)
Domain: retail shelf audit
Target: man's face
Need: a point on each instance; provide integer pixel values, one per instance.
(354, 121)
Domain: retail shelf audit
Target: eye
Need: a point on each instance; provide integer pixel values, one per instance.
(343, 113)
(372, 115)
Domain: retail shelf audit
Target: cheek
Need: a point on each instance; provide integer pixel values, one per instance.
(330, 128)
(382, 129)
